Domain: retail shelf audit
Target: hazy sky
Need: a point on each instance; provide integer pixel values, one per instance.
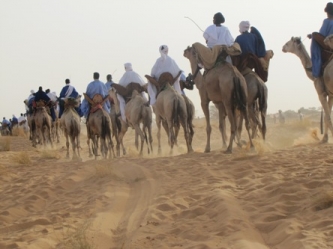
(43, 42)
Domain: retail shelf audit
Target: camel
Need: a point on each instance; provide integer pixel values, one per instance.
(256, 99)
(70, 123)
(136, 113)
(41, 125)
(325, 89)
(170, 106)
(225, 86)
(99, 127)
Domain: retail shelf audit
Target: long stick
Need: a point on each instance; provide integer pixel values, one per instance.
(194, 23)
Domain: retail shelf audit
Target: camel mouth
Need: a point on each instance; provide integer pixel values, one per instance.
(284, 50)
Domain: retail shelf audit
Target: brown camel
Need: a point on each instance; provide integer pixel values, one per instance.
(226, 88)
(170, 106)
(324, 88)
(256, 99)
(136, 112)
(70, 123)
(99, 127)
(42, 124)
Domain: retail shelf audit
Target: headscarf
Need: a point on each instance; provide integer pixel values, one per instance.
(164, 51)
(128, 67)
(32, 91)
(244, 26)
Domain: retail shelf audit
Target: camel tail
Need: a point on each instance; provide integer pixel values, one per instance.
(239, 95)
(176, 107)
(262, 98)
(104, 127)
(74, 129)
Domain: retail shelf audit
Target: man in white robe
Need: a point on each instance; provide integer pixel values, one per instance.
(163, 64)
(128, 77)
(218, 34)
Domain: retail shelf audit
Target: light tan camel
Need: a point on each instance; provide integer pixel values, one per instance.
(136, 113)
(170, 106)
(225, 87)
(42, 122)
(70, 124)
(55, 127)
(324, 88)
(99, 127)
(120, 128)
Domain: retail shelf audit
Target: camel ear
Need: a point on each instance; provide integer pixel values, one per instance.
(88, 98)
(152, 80)
(175, 79)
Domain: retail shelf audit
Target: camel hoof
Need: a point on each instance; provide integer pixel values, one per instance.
(91, 155)
(324, 139)
(207, 150)
(228, 152)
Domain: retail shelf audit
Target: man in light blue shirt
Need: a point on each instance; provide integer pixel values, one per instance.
(93, 88)
(109, 82)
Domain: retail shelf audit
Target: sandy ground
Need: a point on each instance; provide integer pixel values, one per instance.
(279, 197)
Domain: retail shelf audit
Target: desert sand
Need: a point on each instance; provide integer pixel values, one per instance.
(279, 197)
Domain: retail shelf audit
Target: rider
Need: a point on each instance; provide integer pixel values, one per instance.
(29, 100)
(318, 45)
(109, 82)
(163, 64)
(93, 88)
(128, 77)
(67, 91)
(42, 96)
(7, 123)
(218, 34)
(252, 51)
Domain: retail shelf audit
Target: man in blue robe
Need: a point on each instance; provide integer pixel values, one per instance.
(67, 91)
(41, 95)
(109, 82)
(93, 88)
(317, 44)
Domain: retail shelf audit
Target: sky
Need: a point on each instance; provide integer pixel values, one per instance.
(43, 42)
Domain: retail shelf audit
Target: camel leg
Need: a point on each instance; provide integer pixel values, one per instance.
(67, 144)
(177, 128)
(166, 128)
(325, 137)
(247, 126)
(222, 125)
(171, 135)
(183, 121)
(73, 147)
(158, 124)
(78, 146)
(150, 138)
(136, 140)
(138, 132)
(205, 109)
(319, 85)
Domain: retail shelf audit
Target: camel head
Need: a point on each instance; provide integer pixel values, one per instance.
(189, 52)
(114, 99)
(71, 102)
(329, 41)
(293, 45)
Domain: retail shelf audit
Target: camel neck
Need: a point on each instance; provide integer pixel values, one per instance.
(306, 61)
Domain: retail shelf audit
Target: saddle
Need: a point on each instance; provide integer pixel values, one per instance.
(126, 92)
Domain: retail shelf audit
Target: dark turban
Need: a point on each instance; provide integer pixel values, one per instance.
(329, 8)
(67, 81)
(218, 18)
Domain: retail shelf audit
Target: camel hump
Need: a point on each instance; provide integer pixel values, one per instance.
(120, 89)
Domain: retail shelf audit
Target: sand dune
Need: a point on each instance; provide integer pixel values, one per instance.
(279, 197)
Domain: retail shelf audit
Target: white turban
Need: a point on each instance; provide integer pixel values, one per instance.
(244, 26)
(128, 67)
(164, 51)
(32, 91)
